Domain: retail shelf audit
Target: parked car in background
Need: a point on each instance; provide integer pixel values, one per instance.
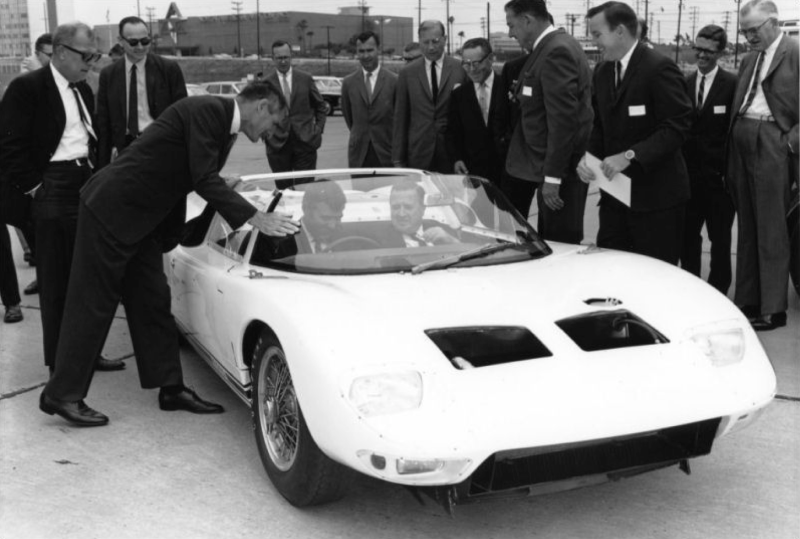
(331, 90)
(469, 361)
(224, 88)
(195, 89)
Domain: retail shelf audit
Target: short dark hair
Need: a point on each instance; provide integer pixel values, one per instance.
(131, 20)
(44, 39)
(713, 32)
(262, 89)
(616, 14)
(323, 190)
(363, 37)
(535, 8)
(424, 25)
(280, 43)
(481, 42)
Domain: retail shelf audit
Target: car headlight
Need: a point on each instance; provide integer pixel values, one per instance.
(722, 346)
(386, 393)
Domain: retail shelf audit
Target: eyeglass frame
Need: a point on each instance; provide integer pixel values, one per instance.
(747, 32)
(48, 54)
(86, 56)
(698, 50)
(136, 40)
(473, 65)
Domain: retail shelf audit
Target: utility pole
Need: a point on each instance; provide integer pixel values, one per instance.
(488, 21)
(736, 47)
(588, 7)
(659, 31)
(328, 33)
(449, 23)
(237, 7)
(150, 11)
(678, 35)
(727, 22)
(647, 8)
(694, 15)
(419, 12)
(258, 29)
(363, 5)
(138, 9)
(483, 27)
(571, 18)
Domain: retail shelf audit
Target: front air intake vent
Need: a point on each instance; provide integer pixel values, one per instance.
(483, 346)
(607, 330)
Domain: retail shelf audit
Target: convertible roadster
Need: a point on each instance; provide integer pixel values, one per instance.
(418, 330)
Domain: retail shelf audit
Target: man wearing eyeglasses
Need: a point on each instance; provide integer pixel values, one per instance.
(478, 115)
(711, 89)
(46, 146)
(43, 50)
(135, 91)
(763, 163)
(553, 93)
(423, 96)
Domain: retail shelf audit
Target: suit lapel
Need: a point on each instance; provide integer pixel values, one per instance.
(380, 80)
(633, 64)
(362, 86)
(780, 52)
(748, 66)
(56, 105)
(423, 79)
(447, 68)
(691, 82)
(716, 87)
(150, 81)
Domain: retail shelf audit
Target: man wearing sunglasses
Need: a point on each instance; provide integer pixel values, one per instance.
(43, 51)
(135, 91)
(46, 146)
(711, 89)
(763, 163)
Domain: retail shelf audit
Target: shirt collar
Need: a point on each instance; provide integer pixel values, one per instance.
(488, 82)
(550, 29)
(710, 75)
(236, 124)
(129, 64)
(428, 63)
(61, 82)
(625, 60)
(288, 74)
(774, 45)
(374, 71)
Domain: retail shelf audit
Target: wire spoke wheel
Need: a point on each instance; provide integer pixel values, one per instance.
(279, 419)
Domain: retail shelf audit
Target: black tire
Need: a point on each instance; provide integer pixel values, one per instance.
(300, 471)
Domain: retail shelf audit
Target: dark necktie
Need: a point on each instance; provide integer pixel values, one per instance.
(434, 82)
(618, 74)
(369, 86)
(700, 92)
(84, 120)
(756, 76)
(133, 105)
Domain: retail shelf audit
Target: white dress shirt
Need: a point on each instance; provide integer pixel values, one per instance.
(74, 143)
(438, 73)
(143, 106)
(759, 105)
(707, 86)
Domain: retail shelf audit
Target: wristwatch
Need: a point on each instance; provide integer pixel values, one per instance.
(630, 155)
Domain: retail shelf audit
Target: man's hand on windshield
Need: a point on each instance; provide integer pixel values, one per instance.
(274, 224)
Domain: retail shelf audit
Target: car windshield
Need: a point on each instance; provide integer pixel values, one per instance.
(385, 222)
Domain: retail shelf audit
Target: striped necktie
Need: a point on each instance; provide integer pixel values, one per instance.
(754, 86)
(701, 92)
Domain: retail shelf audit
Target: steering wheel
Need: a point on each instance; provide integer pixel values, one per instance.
(366, 243)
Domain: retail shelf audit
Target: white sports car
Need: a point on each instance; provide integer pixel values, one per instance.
(418, 330)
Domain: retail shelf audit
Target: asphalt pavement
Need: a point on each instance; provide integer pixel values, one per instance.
(153, 474)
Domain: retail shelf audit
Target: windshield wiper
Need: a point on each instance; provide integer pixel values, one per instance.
(483, 250)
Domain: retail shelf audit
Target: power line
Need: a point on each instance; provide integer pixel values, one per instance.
(237, 7)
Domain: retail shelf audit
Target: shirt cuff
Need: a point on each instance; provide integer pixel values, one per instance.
(554, 181)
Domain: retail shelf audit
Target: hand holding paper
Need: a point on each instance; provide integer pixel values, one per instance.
(619, 186)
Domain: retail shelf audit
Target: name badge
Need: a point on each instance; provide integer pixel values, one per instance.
(719, 109)
(636, 110)
(527, 91)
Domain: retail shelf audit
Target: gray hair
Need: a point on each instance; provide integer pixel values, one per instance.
(65, 33)
(429, 25)
(766, 7)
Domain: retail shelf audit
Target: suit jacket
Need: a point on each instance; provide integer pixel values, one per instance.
(369, 120)
(554, 96)
(780, 88)
(307, 112)
(472, 141)
(419, 123)
(704, 150)
(144, 190)
(651, 114)
(32, 120)
(165, 86)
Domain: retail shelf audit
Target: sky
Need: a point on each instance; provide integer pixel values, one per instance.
(467, 13)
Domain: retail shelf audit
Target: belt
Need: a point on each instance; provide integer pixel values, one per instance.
(80, 162)
(758, 117)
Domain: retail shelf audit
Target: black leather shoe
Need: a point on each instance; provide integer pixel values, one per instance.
(104, 364)
(187, 400)
(32, 288)
(77, 413)
(769, 322)
(13, 314)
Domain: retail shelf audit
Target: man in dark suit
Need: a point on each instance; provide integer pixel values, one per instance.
(763, 163)
(368, 107)
(134, 92)
(477, 107)
(423, 94)
(712, 89)
(46, 145)
(642, 116)
(408, 227)
(130, 212)
(554, 99)
(294, 143)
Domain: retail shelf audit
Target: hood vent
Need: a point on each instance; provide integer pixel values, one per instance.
(607, 330)
(483, 346)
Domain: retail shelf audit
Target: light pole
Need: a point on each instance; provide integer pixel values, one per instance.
(381, 22)
(328, 31)
(258, 29)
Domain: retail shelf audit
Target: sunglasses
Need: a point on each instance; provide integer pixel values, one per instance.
(48, 54)
(466, 64)
(145, 41)
(86, 56)
(699, 50)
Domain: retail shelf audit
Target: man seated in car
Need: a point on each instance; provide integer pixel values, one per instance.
(409, 229)
(321, 224)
